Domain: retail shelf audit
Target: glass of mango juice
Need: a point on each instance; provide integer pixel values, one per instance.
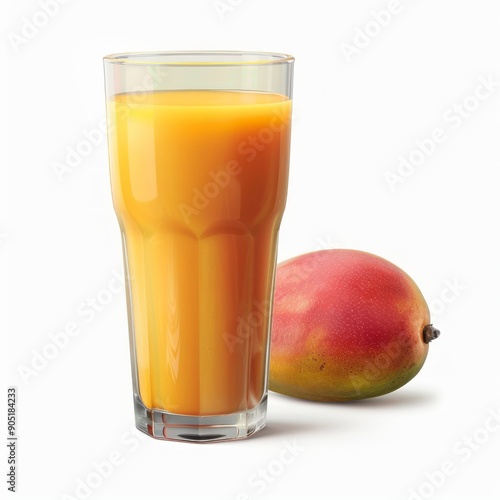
(199, 146)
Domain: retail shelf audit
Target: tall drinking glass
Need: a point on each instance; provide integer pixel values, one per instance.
(198, 149)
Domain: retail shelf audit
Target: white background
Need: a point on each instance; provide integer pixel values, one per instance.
(60, 244)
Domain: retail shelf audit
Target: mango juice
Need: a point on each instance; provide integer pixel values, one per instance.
(199, 181)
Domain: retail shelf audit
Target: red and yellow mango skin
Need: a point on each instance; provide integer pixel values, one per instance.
(346, 325)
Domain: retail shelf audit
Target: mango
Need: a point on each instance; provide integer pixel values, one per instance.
(346, 325)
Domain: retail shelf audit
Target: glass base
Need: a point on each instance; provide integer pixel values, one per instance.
(161, 424)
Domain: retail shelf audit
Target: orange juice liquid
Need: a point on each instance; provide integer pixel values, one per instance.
(199, 182)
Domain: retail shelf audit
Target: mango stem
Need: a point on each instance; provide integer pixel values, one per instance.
(430, 333)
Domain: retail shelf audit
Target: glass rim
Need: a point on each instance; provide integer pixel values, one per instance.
(199, 58)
